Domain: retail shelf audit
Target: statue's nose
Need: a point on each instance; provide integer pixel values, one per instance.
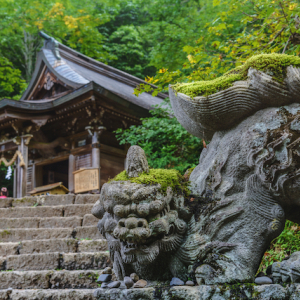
(131, 223)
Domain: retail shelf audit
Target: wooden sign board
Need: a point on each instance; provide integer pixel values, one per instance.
(86, 179)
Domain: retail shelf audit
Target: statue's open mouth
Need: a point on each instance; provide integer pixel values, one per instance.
(129, 248)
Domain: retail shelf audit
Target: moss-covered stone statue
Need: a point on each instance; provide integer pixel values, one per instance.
(246, 185)
(145, 222)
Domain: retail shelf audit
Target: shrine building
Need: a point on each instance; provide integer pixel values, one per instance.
(63, 125)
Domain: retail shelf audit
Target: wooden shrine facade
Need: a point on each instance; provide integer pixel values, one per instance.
(65, 120)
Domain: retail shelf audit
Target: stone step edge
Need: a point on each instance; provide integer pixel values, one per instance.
(46, 279)
(62, 261)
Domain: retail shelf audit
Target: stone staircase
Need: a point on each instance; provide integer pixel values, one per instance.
(50, 248)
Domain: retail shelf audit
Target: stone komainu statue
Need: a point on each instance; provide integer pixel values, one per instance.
(246, 185)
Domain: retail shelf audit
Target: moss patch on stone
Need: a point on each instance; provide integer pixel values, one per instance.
(272, 64)
(165, 177)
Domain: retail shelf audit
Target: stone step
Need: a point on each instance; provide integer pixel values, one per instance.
(90, 220)
(47, 200)
(53, 245)
(78, 210)
(88, 233)
(54, 222)
(56, 260)
(31, 212)
(92, 245)
(86, 198)
(73, 210)
(9, 249)
(66, 294)
(18, 235)
(48, 246)
(85, 279)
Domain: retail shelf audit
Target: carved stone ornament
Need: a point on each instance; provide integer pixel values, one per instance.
(246, 185)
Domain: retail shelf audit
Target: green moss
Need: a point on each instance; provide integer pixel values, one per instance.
(272, 64)
(164, 177)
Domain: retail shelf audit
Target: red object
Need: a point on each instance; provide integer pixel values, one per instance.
(3, 197)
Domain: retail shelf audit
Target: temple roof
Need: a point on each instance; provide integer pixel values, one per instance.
(72, 70)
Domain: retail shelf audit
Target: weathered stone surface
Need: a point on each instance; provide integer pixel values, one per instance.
(25, 280)
(92, 245)
(16, 235)
(47, 246)
(104, 278)
(86, 261)
(78, 210)
(242, 160)
(2, 263)
(176, 281)
(124, 294)
(88, 232)
(7, 223)
(185, 293)
(27, 262)
(151, 261)
(271, 292)
(134, 277)
(140, 284)
(86, 198)
(25, 201)
(74, 279)
(79, 294)
(190, 283)
(114, 284)
(4, 295)
(136, 162)
(287, 270)
(8, 249)
(54, 200)
(60, 222)
(128, 282)
(107, 270)
(263, 280)
(26, 212)
(90, 220)
(6, 202)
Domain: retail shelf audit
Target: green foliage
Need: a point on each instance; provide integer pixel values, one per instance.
(166, 178)
(272, 64)
(11, 83)
(71, 22)
(237, 31)
(283, 246)
(166, 143)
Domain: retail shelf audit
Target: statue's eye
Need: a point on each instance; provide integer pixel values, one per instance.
(140, 224)
(121, 223)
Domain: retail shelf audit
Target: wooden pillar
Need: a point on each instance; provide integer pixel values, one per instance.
(15, 180)
(70, 173)
(21, 181)
(95, 132)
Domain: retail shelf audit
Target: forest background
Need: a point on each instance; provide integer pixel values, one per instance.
(163, 42)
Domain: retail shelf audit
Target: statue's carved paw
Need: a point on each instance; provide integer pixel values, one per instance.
(204, 274)
(287, 270)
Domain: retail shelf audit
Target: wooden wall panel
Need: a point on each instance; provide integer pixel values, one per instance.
(110, 166)
(83, 161)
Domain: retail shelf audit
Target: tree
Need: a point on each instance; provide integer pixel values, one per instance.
(166, 143)
(239, 30)
(10, 82)
(69, 22)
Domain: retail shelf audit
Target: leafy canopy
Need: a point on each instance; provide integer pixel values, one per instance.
(166, 143)
(240, 30)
